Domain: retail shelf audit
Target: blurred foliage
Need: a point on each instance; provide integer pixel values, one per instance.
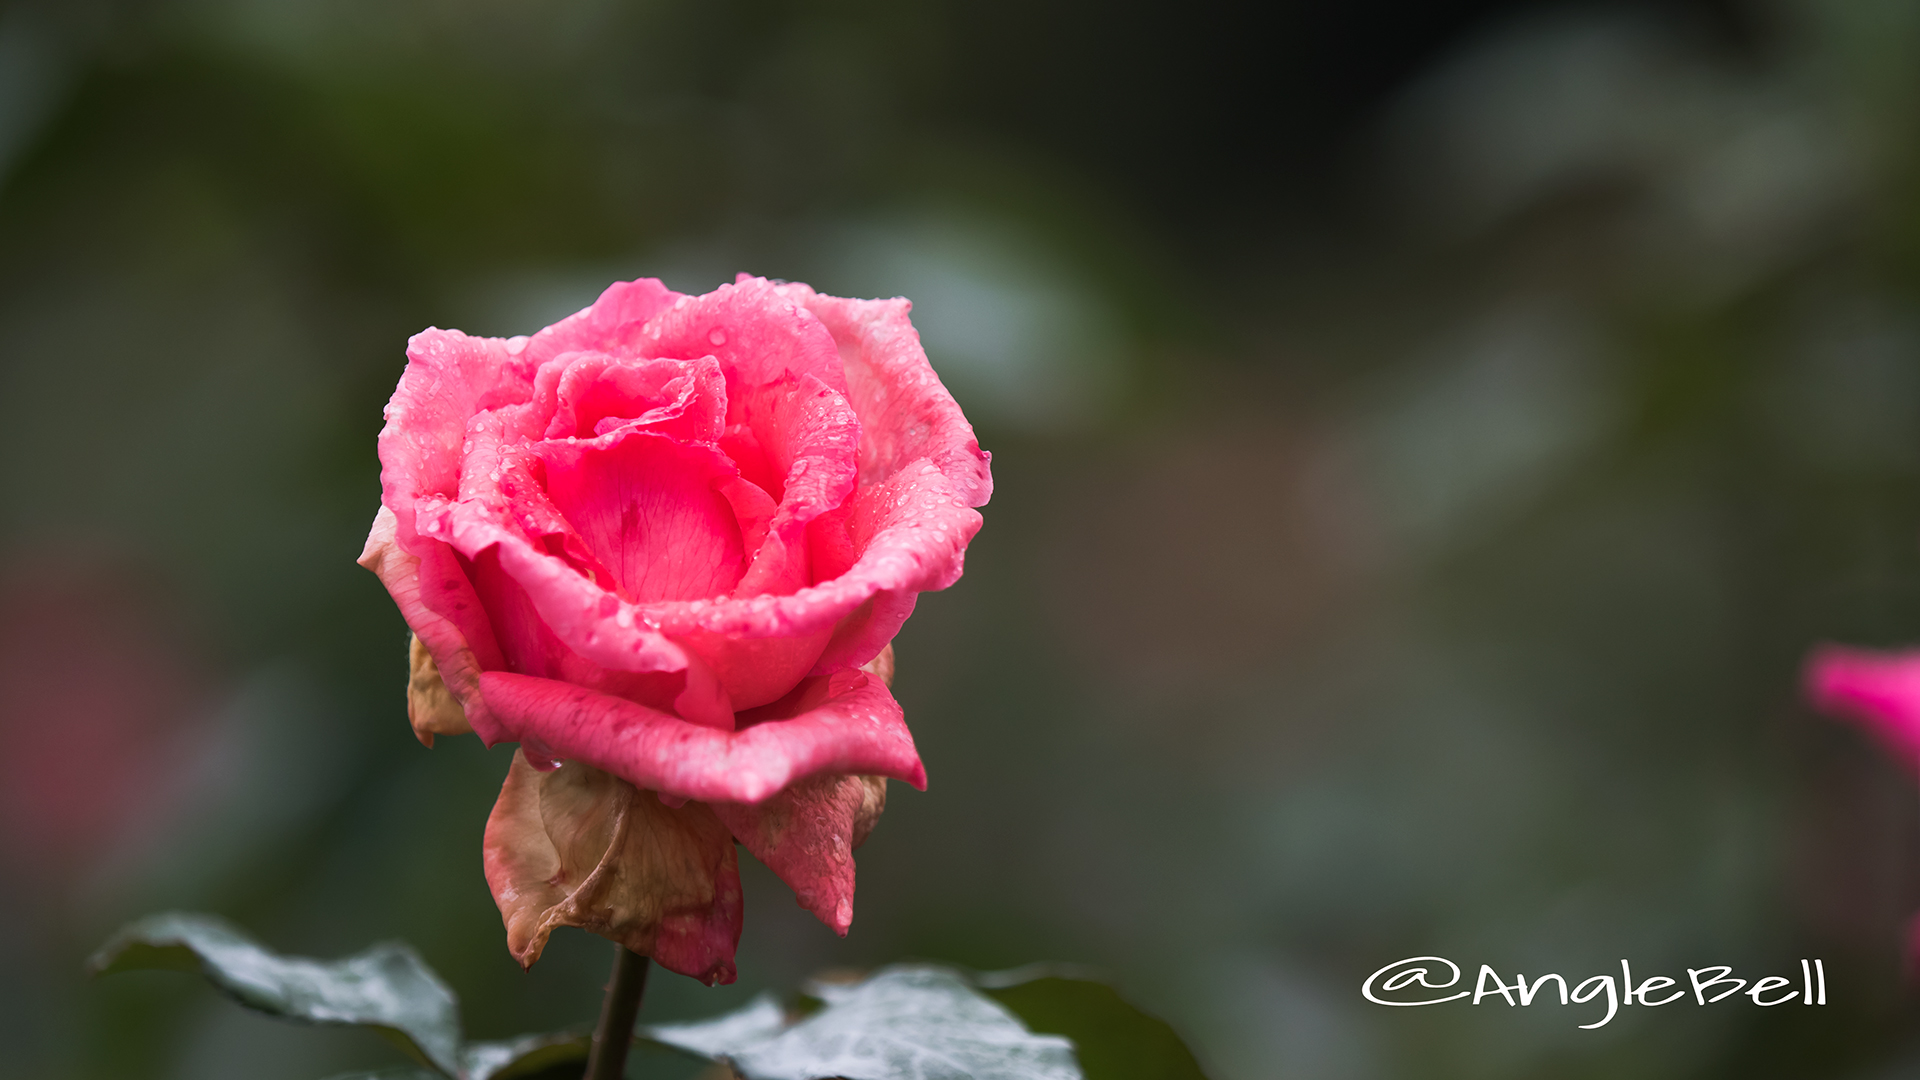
(1428, 437)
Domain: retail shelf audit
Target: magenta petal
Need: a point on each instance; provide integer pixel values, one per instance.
(1878, 690)
(591, 621)
(806, 835)
(811, 437)
(759, 671)
(650, 510)
(911, 532)
(858, 729)
(683, 399)
(461, 641)
(530, 648)
(755, 329)
(449, 378)
(905, 413)
(611, 324)
(861, 635)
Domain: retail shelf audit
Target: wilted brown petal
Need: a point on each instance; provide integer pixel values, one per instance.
(431, 707)
(580, 847)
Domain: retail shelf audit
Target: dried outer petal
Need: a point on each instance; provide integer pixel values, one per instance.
(806, 834)
(873, 802)
(575, 846)
(431, 707)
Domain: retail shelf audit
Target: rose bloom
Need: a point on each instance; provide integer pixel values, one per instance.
(664, 545)
(1881, 692)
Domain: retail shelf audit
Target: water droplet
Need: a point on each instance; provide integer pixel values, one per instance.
(717, 336)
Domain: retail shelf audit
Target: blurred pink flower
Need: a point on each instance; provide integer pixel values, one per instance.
(1878, 690)
(668, 539)
(1881, 692)
(96, 694)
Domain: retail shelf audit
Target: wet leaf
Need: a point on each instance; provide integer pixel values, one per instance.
(523, 1056)
(905, 1022)
(387, 987)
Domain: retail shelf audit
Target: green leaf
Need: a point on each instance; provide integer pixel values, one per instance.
(1114, 1040)
(387, 987)
(397, 1072)
(905, 1022)
(523, 1056)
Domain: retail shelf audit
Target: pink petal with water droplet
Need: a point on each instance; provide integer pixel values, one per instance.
(847, 723)
(806, 835)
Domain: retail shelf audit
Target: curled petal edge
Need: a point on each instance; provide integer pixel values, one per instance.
(452, 654)
(858, 729)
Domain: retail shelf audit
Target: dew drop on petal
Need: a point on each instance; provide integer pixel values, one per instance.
(717, 336)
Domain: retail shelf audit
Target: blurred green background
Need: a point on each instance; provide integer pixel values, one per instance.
(1427, 435)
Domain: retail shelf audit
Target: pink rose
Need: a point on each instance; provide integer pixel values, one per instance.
(667, 541)
(1880, 691)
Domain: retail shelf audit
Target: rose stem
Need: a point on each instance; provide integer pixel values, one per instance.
(614, 1034)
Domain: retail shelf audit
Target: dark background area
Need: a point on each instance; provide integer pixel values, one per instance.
(1428, 436)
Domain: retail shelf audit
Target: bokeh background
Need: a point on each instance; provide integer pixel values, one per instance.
(1428, 436)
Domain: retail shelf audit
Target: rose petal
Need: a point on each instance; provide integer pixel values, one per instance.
(757, 671)
(683, 399)
(449, 378)
(650, 510)
(806, 834)
(755, 330)
(578, 847)
(905, 412)
(431, 708)
(854, 726)
(460, 641)
(915, 527)
(611, 324)
(811, 438)
(588, 619)
(531, 648)
(866, 631)
(1881, 691)
(911, 530)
